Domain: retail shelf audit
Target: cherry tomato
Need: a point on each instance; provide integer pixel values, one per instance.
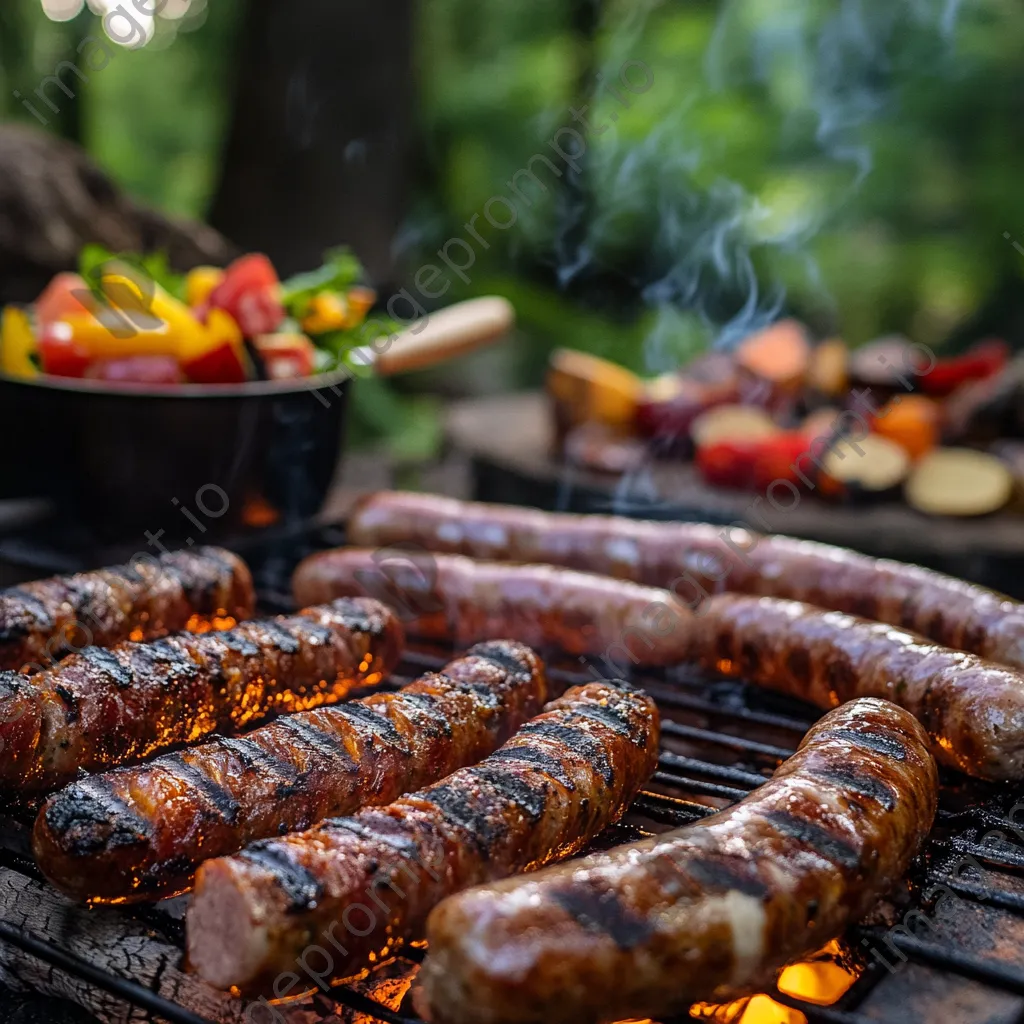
(59, 353)
(251, 293)
(65, 294)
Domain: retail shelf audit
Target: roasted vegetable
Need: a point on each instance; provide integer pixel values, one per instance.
(588, 389)
(779, 355)
(828, 373)
(732, 423)
(959, 482)
(868, 467)
(912, 421)
(983, 360)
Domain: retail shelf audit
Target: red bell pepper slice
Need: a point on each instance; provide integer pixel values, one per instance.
(222, 365)
(980, 361)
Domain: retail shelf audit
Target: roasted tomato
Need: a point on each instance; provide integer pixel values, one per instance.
(251, 293)
(59, 352)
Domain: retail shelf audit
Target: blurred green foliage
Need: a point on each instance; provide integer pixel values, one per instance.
(855, 163)
(153, 117)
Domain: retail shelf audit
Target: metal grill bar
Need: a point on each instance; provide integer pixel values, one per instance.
(721, 739)
(989, 972)
(748, 780)
(685, 776)
(1006, 859)
(685, 702)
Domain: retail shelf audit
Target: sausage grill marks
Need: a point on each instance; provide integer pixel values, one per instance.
(363, 885)
(696, 560)
(140, 832)
(707, 912)
(455, 599)
(105, 707)
(972, 709)
(42, 620)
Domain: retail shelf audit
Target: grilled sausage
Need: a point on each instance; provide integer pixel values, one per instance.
(105, 707)
(140, 833)
(361, 886)
(458, 600)
(707, 912)
(972, 710)
(696, 560)
(149, 597)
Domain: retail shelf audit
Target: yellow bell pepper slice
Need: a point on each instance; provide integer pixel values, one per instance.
(17, 344)
(220, 328)
(360, 301)
(138, 320)
(200, 283)
(328, 311)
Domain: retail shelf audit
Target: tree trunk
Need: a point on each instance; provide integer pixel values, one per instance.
(54, 199)
(318, 151)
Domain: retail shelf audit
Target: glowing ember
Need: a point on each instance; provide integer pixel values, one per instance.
(822, 980)
(207, 623)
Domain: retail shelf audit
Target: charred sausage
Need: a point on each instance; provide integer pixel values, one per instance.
(697, 560)
(361, 886)
(458, 600)
(140, 833)
(972, 710)
(106, 707)
(707, 912)
(149, 597)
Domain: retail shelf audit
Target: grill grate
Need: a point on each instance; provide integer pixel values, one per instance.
(722, 739)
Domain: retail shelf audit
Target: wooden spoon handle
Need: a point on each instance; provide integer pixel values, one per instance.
(455, 331)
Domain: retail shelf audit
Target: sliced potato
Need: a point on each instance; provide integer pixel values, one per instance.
(959, 482)
(732, 423)
(868, 465)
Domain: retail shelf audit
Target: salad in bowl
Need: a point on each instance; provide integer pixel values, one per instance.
(130, 319)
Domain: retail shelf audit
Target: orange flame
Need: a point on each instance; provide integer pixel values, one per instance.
(822, 980)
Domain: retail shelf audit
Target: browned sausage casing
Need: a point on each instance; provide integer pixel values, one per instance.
(972, 710)
(695, 560)
(140, 833)
(358, 887)
(707, 912)
(106, 707)
(461, 601)
(41, 621)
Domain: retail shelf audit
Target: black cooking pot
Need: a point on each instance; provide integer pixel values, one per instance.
(199, 461)
(125, 460)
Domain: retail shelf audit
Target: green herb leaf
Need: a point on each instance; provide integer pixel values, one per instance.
(340, 271)
(154, 266)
